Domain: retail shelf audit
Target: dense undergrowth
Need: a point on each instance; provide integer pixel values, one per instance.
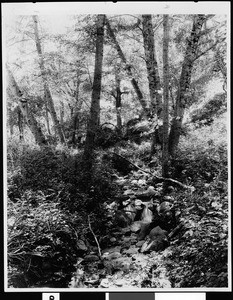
(51, 203)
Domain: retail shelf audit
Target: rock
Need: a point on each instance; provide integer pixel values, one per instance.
(141, 182)
(134, 182)
(126, 239)
(90, 258)
(121, 263)
(168, 198)
(157, 240)
(131, 251)
(93, 280)
(140, 243)
(126, 202)
(128, 192)
(126, 231)
(81, 245)
(113, 240)
(121, 219)
(136, 226)
(157, 232)
(138, 202)
(144, 231)
(104, 283)
(111, 250)
(165, 207)
(151, 190)
(170, 188)
(113, 255)
(119, 282)
(147, 214)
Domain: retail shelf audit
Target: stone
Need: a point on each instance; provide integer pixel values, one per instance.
(90, 258)
(168, 198)
(126, 230)
(134, 182)
(126, 239)
(104, 283)
(141, 182)
(128, 192)
(138, 202)
(119, 282)
(140, 243)
(113, 255)
(113, 249)
(81, 245)
(136, 226)
(131, 251)
(113, 240)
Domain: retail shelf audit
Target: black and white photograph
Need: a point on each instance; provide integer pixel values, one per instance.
(116, 146)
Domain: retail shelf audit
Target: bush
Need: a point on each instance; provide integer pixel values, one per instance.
(41, 242)
(202, 154)
(200, 256)
(50, 195)
(212, 109)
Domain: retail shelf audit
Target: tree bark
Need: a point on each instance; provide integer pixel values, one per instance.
(20, 124)
(152, 65)
(118, 100)
(76, 113)
(184, 82)
(48, 96)
(165, 154)
(128, 69)
(23, 105)
(96, 91)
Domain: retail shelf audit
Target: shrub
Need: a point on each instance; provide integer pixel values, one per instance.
(41, 241)
(202, 154)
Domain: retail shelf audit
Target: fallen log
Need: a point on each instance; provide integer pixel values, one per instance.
(155, 177)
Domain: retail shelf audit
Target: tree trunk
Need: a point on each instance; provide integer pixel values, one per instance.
(20, 124)
(48, 95)
(128, 69)
(76, 112)
(184, 82)
(153, 78)
(165, 154)
(96, 90)
(47, 117)
(152, 65)
(118, 100)
(23, 105)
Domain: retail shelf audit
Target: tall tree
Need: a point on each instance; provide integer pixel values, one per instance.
(128, 69)
(165, 154)
(153, 77)
(96, 91)
(152, 65)
(25, 110)
(185, 80)
(48, 95)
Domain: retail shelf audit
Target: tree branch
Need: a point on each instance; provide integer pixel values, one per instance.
(157, 177)
(98, 245)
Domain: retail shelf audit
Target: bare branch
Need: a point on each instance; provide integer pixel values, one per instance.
(98, 245)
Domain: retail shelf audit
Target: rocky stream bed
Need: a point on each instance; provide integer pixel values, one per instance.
(140, 241)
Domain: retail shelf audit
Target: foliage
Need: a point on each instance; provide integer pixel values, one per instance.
(52, 196)
(202, 155)
(213, 108)
(200, 255)
(49, 196)
(41, 241)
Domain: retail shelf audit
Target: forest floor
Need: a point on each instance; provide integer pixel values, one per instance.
(123, 264)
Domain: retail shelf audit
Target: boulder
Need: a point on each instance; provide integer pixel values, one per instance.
(157, 240)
